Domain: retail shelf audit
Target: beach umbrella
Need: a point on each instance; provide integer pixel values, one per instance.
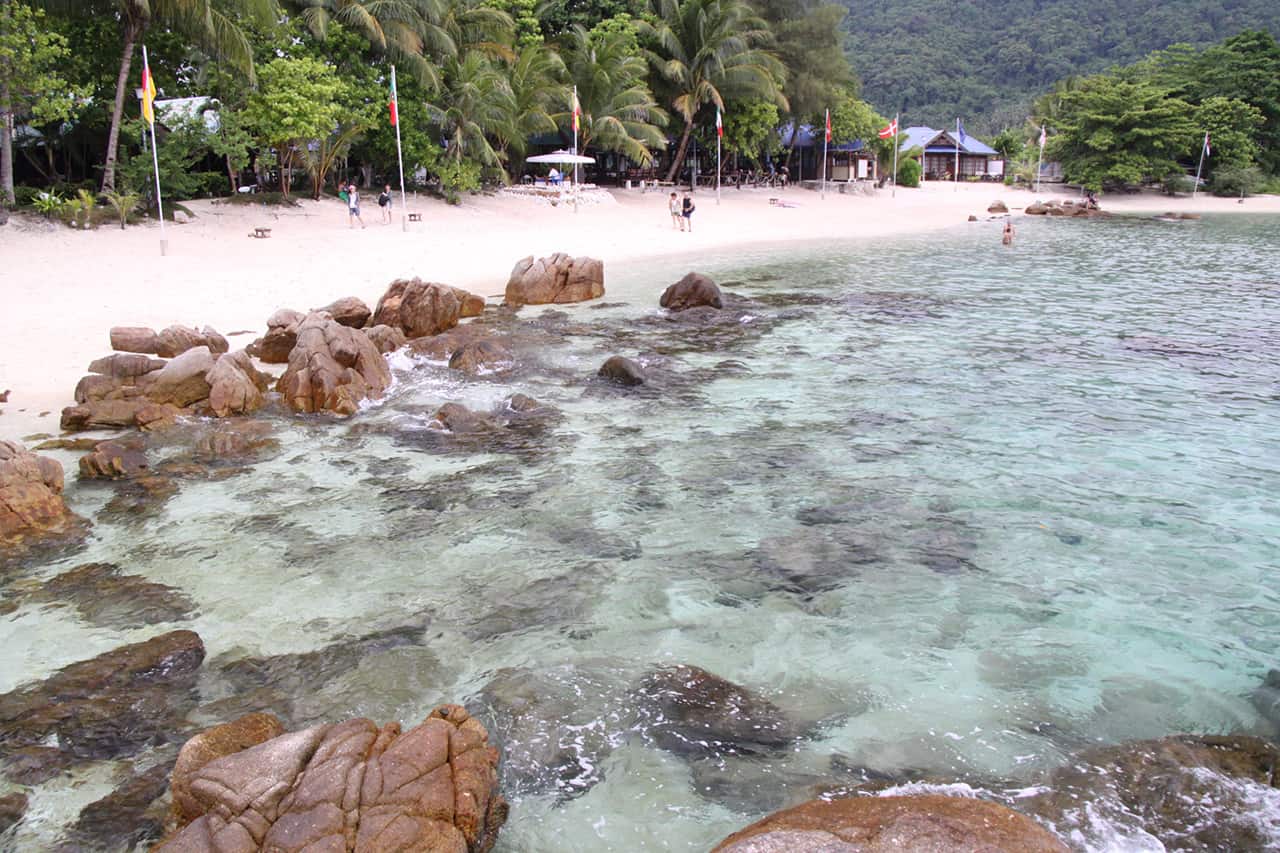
(560, 157)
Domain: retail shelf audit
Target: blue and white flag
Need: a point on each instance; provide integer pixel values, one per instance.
(960, 132)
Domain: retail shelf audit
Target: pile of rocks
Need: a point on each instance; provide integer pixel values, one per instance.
(1064, 208)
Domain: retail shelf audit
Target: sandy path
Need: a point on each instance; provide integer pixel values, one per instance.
(63, 290)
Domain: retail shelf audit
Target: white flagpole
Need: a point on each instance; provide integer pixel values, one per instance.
(155, 161)
(956, 176)
(1203, 146)
(575, 118)
(825, 125)
(1040, 161)
(719, 127)
(897, 143)
(395, 97)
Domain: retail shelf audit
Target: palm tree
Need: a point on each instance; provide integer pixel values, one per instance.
(209, 24)
(534, 86)
(618, 110)
(474, 102)
(707, 50)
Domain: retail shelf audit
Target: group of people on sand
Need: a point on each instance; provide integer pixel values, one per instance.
(681, 212)
(351, 195)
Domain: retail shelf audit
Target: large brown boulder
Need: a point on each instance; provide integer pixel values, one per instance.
(114, 460)
(349, 786)
(108, 706)
(31, 503)
(332, 368)
(622, 371)
(175, 340)
(349, 311)
(557, 279)
(470, 304)
(997, 206)
(1036, 209)
(418, 307)
(482, 356)
(98, 414)
(917, 824)
(236, 387)
(125, 365)
(209, 745)
(135, 339)
(387, 338)
(181, 382)
(282, 333)
(692, 291)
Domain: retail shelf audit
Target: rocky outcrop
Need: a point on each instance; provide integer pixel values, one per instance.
(182, 381)
(481, 357)
(1064, 208)
(12, 807)
(387, 338)
(469, 304)
(170, 342)
(210, 745)
(918, 824)
(104, 596)
(1191, 792)
(692, 291)
(114, 460)
(108, 706)
(622, 371)
(1036, 209)
(1266, 698)
(694, 712)
(349, 311)
(31, 503)
(418, 307)
(557, 279)
(236, 387)
(332, 368)
(127, 818)
(282, 333)
(997, 206)
(349, 786)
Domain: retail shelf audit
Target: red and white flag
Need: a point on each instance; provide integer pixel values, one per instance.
(890, 131)
(1207, 149)
(828, 125)
(394, 103)
(719, 123)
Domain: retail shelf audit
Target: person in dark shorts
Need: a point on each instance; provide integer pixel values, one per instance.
(686, 210)
(353, 206)
(384, 202)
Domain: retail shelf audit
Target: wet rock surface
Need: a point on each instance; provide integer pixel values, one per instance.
(105, 596)
(127, 817)
(332, 368)
(622, 371)
(482, 357)
(115, 460)
(557, 279)
(350, 786)
(419, 308)
(32, 509)
(12, 808)
(695, 290)
(109, 706)
(916, 824)
(210, 745)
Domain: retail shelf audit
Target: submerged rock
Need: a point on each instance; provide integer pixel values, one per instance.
(1191, 792)
(111, 705)
(693, 291)
(332, 368)
(13, 807)
(350, 786)
(480, 357)
(1266, 698)
(557, 279)
(114, 460)
(127, 817)
(917, 824)
(622, 371)
(688, 710)
(105, 596)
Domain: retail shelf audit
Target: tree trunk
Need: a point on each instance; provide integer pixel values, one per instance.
(681, 149)
(231, 176)
(131, 33)
(6, 147)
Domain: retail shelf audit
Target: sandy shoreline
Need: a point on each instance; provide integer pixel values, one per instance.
(65, 289)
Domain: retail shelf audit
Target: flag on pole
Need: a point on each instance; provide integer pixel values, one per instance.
(577, 111)
(960, 131)
(828, 125)
(148, 94)
(890, 131)
(1207, 149)
(719, 124)
(1042, 136)
(394, 104)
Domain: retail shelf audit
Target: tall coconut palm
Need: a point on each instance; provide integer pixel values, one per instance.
(474, 102)
(708, 50)
(535, 89)
(619, 112)
(208, 24)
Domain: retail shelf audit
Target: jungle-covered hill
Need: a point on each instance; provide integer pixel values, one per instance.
(985, 60)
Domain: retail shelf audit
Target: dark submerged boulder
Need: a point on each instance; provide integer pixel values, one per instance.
(692, 291)
(622, 371)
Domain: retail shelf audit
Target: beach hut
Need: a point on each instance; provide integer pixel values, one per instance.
(846, 161)
(977, 159)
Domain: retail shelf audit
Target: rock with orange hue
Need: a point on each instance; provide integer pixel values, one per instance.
(31, 504)
(332, 368)
(557, 279)
(917, 824)
(418, 307)
(346, 787)
(209, 745)
(349, 311)
(236, 387)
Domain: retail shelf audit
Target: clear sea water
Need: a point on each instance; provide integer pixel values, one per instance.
(960, 510)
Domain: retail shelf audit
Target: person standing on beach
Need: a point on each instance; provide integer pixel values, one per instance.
(1007, 239)
(353, 206)
(673, 204)
(686, 210)
(384, 202)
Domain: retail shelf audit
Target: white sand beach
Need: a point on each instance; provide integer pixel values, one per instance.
(63, 289)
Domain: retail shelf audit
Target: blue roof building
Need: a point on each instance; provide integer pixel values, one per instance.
(846, 161)
(977, 159)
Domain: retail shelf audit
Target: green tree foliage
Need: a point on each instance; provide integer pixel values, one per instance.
(560, 16)
(751, 129)
(1010, 143)
(30, 84)
(809, 40)
(524, 16)
(618, 110)
(985, 60)
(181, 148)
(1113, 132)
(298, 101)
(474, 100)
(535, 91)
(1233, 130)
(909, 170)
(707, 50)
(853, 119)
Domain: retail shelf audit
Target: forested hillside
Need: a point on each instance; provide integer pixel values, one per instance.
(984, 60)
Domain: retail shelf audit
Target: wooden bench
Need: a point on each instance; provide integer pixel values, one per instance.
(415, 217)
(261, 233)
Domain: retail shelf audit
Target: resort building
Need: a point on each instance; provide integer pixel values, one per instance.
(846, 161)
(977, 159)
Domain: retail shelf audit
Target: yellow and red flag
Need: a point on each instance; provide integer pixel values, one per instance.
(577, 111)
(148, 93)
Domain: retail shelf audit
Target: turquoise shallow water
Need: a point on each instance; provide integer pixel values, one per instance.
(960, 510)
